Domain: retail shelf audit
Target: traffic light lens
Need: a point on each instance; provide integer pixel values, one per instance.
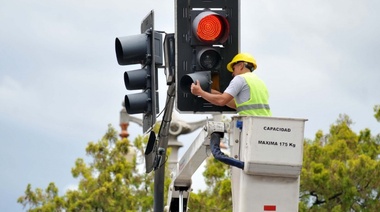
(209, 58)
(209, 28)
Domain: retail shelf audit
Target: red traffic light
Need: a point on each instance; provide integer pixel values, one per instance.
(211, 27)
(206, 37)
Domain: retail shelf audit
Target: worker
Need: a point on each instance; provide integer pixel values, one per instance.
(246, 92)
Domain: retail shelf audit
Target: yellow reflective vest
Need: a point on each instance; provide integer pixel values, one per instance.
(257, 105)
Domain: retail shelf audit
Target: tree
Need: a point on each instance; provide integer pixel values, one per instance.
(217, 196)
(108, 183)
(341, 170)
(42, 200)
(376, 109)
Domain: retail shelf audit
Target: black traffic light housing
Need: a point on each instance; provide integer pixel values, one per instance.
(207, 38)
(144, 49)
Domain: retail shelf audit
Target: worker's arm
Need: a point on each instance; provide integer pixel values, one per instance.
(230, 104)
(215, 97)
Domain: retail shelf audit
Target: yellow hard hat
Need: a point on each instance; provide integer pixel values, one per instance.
(242, 57)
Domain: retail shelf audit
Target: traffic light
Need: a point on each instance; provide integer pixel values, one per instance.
(144, 49)
(207, 38)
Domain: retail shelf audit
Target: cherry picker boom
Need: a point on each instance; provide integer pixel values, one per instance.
(271, 151)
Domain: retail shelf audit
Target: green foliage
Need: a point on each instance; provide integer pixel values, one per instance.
(217, 196)
(341, 170)
(376, 109)
(110, 182)
(42, 201)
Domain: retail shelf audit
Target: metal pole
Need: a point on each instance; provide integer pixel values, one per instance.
(163, 137)
(181, 201)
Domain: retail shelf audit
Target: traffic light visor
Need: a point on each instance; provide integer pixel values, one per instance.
(136, 79)
(137, 102)
(211, 27)
(132, 49)
(204, 78)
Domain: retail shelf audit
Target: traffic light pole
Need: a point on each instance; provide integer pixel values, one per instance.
(163, 137)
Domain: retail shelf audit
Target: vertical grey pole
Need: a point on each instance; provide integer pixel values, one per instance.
(159, 179)
(181, 201)
(163, 136)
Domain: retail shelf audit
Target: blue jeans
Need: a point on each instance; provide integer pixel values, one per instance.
(219, 155)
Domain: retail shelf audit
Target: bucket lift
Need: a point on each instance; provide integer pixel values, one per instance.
(272, 151)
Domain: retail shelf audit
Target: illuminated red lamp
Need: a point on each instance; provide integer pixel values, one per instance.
(211, 27)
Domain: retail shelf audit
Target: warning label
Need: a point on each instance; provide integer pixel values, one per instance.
(276, 143)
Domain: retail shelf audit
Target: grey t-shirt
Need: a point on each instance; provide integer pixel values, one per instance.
(239, 89)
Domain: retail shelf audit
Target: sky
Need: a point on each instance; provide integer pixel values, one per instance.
(60, 84)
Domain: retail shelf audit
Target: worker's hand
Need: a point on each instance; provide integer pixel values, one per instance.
(196, 88)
